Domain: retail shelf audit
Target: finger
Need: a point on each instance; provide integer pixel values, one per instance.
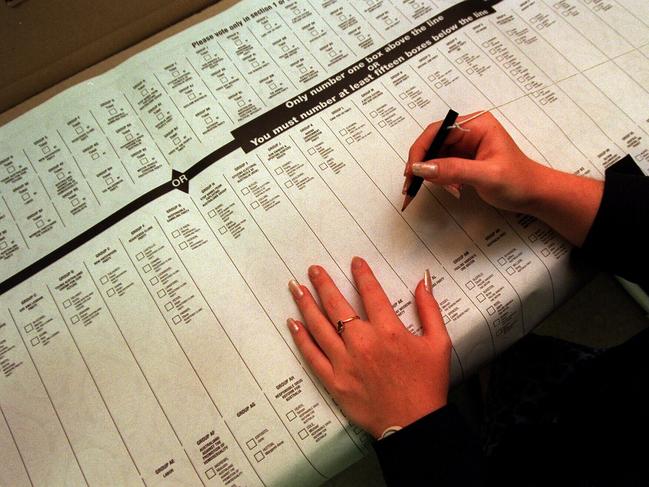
(454, 170)
(455, 190)
(462, 141)
(332, 300)
(421, 144)
(467, 140)
(455, 151)
(312, 354)
(376, 303)
(317, 323)
(406, 183)
(430, 317)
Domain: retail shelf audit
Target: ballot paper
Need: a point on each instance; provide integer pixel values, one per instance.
(150, 219)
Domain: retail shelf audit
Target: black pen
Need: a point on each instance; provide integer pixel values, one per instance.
(431, 153)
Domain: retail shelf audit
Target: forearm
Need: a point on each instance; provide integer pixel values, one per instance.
(566, 202)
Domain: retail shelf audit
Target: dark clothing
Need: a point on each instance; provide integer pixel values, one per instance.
(596, 424)
(619, 237)
(437, 450)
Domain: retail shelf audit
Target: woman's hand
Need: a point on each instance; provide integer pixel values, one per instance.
(486, 157)
(379, 373)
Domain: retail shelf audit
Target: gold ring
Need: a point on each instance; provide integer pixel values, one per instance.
(340, 324)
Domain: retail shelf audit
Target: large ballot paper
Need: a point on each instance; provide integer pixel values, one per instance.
(150, 219)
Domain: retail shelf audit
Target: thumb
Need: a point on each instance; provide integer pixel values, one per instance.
(450, 170)
(429, 314)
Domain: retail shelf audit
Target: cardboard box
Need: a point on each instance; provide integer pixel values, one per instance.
(49, 45)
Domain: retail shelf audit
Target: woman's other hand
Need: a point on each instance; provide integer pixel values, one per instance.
(379, 373)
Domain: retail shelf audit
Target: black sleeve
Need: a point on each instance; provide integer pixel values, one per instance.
(618, 240)
(437, 450)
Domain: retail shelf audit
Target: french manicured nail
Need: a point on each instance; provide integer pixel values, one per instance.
(295, 289)
(314, 271)
(292, 325)
(452, 190)
(428, 282)
(357, 262)
(425, 170)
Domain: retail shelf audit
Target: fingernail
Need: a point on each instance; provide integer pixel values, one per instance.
(405, 186)
(357, 262)
(292, 325)
(295, 289)
(425, 170)
(314, 271)
(428, 282)
(452, 190)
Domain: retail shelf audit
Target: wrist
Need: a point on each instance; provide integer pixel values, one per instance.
(566, 202)
(539, 190)
(403, 419)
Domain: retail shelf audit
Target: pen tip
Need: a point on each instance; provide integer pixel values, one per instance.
(406, 202)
